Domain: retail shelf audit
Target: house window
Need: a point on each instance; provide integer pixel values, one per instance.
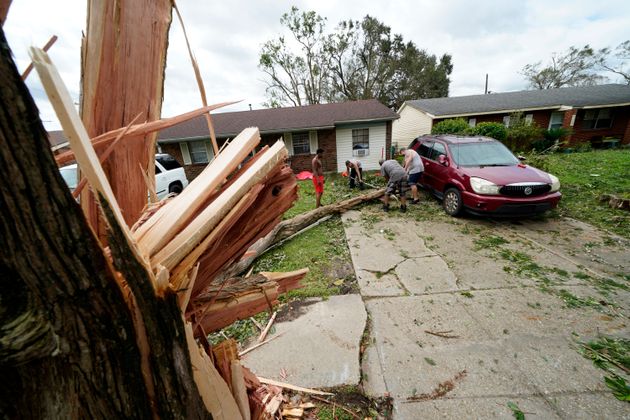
(361, 139)
(301, 143)
(506, 121)
(556, 120)
(472, 122)
(597, 118)
(529, 118)
(198, 151)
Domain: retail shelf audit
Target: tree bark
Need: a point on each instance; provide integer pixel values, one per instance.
(68, 345)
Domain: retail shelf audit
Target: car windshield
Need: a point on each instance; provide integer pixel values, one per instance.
(487, 153)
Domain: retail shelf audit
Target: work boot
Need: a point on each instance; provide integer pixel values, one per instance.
(403, 209)
(386, 207)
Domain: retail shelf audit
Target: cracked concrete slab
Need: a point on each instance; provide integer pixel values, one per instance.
(426, 275)
(373, 284)
(553, 365)
(514, 341)
(475, 408)
(320, 348)
(372, 373)
(531, 311)
(400, 324)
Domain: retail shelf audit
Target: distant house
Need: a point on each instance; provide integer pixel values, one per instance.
(593, 113)
(359, 129)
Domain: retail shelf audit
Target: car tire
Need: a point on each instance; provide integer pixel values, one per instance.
(452, 202)
(175, 188)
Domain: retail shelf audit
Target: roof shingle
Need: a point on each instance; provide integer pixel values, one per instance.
(228, 124)
(527, 99)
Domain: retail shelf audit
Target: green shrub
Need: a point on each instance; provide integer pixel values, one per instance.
(491, 129)
(584, 147)
(521, 134)
(452, 126)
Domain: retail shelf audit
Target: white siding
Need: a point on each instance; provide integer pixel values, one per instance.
(377, 145)
(411, 124)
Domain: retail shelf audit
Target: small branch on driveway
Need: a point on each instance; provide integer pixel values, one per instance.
(443, 334)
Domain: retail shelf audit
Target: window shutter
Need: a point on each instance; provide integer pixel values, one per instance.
(288, 142)
(312, 137)
(209, 151)
(183, 146)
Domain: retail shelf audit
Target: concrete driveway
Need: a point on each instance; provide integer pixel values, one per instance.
(468, 315)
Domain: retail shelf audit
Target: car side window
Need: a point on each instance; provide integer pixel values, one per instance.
(425, 149)
(438, 149)
(157, 169)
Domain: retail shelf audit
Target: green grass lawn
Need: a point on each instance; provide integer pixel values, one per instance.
(586, 176)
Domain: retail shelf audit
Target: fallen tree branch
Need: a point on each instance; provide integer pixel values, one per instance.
(264, 332)
(290, 227)
(292, 387)
(443, 334)
(254, 347)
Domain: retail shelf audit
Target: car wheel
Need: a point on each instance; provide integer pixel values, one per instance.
(452, 202)
(175, 188)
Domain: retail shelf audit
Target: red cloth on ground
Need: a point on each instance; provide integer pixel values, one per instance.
(304, 175)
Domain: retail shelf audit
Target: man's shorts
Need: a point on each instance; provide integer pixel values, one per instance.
(397, 187)
(414, 179)
(319, 188)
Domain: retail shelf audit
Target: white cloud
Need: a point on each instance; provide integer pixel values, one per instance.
(494, 37)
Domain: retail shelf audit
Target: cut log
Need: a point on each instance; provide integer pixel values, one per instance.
(289, 227)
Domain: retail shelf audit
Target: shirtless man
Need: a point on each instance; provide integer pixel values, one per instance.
(318, 176)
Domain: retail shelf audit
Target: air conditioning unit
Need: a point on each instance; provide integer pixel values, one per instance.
(360, 152)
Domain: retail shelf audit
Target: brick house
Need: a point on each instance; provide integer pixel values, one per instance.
(592, 113)
(359, 129)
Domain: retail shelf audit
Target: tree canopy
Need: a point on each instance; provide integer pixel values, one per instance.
(358, 60)
(579, 67)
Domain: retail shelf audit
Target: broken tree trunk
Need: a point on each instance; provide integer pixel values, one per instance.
(289, 227)
(123, 61)
(68, 345)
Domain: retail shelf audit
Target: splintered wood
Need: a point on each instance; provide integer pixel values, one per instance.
(189, 242)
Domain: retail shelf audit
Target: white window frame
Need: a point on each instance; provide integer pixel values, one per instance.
(302, 137)
(529, 118)
(551, 119)
(185, 147)
(472, 122)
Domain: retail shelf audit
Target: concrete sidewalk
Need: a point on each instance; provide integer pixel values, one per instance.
(460, 326)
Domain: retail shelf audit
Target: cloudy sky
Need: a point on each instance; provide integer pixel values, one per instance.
(494, 37)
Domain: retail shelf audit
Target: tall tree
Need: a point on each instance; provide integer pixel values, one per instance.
(368, 61)
(296, 78)
(576, 67)
(622, 54)
(359, 60)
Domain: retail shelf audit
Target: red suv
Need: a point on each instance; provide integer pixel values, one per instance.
(481, 175)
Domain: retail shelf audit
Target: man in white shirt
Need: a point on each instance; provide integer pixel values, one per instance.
(414, 168)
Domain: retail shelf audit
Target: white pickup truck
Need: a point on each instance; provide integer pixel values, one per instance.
(169, 175)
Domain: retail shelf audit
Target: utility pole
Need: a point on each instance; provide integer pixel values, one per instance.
(486, 90)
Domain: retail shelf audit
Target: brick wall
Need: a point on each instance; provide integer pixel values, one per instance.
(619, 129)
(326, 140)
